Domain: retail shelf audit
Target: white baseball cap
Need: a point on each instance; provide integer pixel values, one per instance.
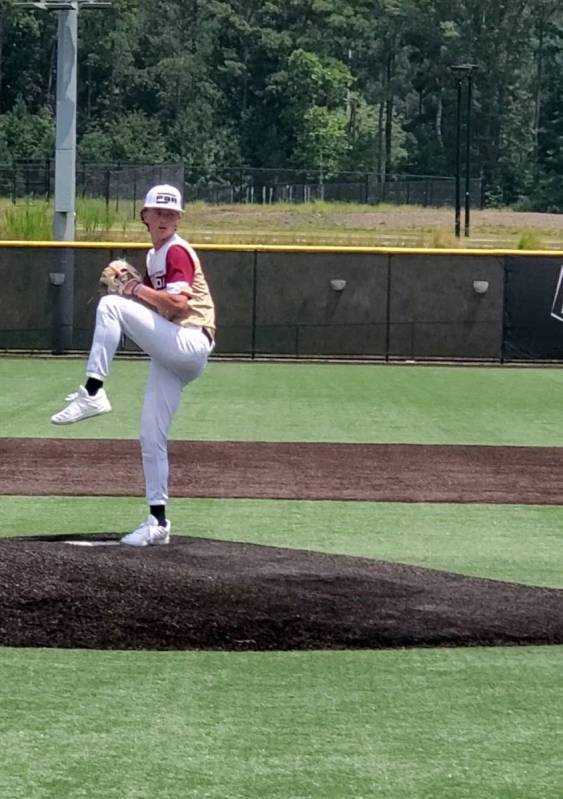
(164, 196)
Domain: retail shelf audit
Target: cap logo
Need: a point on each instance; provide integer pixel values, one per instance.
(165, 199)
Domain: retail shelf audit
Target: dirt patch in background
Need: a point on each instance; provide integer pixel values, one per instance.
(260, 217)
(369, 472)
(507, 220)
(205, 594)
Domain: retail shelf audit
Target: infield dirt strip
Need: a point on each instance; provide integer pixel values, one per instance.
(261, 470)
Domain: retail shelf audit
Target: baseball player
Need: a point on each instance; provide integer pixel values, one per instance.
(170, 315)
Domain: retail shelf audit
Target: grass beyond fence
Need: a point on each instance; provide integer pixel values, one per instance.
(316, 223)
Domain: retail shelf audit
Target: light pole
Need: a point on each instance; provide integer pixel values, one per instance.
(462, 71)
(65, 157)
(458, 161)
(468, 147)
(65, 141)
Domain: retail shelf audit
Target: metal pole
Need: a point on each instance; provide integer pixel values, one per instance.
(458, 164)
(65, 142)
(468, 155)
(65, 167)
(65, 159)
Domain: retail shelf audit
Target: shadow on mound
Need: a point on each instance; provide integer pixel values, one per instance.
(205, 594)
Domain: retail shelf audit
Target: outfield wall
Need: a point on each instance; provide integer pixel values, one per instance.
(375, 303)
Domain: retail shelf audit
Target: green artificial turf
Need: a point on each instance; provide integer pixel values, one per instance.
(406, 724)
(304, 402)
(412, 724)
(516, 543)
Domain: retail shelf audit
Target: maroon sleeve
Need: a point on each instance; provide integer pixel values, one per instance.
(179, 266)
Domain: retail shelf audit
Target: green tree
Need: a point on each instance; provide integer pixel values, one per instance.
(547, 193)
(497, 38)
(322, 140)
(137, 137)
(316, 91)
(26, 135)
(354, 84)
(27, 57)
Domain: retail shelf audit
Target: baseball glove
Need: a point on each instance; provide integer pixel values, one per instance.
(117, 274)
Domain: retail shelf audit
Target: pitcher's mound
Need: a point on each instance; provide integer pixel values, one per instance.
(206, 594)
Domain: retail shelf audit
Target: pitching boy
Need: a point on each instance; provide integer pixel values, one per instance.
(170, 315)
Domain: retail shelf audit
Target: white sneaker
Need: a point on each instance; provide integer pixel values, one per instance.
(81, 406)
(149, 533)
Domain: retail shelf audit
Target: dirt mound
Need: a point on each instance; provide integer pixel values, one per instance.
(205, 594)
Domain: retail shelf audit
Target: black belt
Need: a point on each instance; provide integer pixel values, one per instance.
(207, 335)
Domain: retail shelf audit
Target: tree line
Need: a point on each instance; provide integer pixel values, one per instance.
(336, 85)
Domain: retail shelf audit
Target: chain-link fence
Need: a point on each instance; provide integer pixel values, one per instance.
(112, 182)
(293, 186)
(116, 182)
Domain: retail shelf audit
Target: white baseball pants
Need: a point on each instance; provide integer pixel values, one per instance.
(178, 356)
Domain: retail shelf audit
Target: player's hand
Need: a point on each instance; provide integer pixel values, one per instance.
(117, 275)
(130, 287)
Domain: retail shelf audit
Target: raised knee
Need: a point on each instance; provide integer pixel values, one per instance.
(110, 303)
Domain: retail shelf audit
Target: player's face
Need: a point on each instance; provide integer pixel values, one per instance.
(161, 223)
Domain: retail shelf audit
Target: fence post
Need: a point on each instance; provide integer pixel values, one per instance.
(502, 353)
(254, 305)
(48, 178)
(63, 302)
(388, 309)
(108, 180)
(117, 187)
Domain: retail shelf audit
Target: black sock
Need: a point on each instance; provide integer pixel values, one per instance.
(159, 513)
(92, 385)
